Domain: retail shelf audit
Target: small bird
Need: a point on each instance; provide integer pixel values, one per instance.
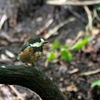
(31, 51)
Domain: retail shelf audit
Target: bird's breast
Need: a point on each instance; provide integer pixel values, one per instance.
(29, 56)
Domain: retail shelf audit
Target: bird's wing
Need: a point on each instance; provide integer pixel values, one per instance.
(24, 46)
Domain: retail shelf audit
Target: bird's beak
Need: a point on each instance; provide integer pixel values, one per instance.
(45, 42)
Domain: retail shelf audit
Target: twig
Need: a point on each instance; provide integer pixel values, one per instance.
(3, 19)
(76, 3)
(90, 72)
(16, 92)
(44, 27)
(95, 15)
(55, 29)
(89, 16)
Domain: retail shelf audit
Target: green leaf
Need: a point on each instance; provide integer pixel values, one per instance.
(98, 8)
(55, 44)
(51, 56)
(95, 83)
(67, 56)
(64, 47)
(80, 44)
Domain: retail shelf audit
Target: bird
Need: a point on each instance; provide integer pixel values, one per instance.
(31, 51)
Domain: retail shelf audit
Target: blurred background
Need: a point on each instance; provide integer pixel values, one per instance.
(71, 59)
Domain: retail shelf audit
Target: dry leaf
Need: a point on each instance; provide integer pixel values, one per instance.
(72, 87)
(90, 64)
(3, 42)
(5, 58)
(61, 79)
(10, 54)
(95, 31)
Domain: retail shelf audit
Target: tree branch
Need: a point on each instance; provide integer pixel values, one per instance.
(31, 78)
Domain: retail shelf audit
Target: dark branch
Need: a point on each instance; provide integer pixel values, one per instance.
(31, 78)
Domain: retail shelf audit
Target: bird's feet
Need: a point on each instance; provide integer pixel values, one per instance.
(25, 65)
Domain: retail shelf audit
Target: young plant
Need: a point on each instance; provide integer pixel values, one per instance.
(51, 55)
(65, 50)
(79, 45)
(95, 90)
(98, 8)
(65, 54)
(97, 83)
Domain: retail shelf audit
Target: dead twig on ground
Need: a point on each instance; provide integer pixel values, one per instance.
(45, 26)
(90, 72)
(55, 29)
(16, 92)
(89, 17)
(76, 3)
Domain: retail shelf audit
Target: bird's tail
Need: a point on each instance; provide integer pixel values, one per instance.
(16, 59)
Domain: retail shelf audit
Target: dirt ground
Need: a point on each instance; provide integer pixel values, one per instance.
(75, 85)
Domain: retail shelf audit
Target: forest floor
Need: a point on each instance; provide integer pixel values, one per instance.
(70, 77)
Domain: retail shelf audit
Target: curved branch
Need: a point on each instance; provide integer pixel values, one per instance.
(31, 78)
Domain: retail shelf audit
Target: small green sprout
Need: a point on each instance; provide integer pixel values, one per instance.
(79, 45)
(51, 56)
(66, 55)
(95, 83)
(98, 8)
(64, 47)
(55, 44)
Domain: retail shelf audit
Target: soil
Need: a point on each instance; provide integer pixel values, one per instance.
(27, 25)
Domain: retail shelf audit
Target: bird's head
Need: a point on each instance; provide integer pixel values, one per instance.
(37, 42)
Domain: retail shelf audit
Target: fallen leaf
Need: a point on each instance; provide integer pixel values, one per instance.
(39, 19)
(61, 79)
(90, 64)
(68, 42)
(5, 58)
(72, 87)
(4, 42)
(9, 54)
(95, 31)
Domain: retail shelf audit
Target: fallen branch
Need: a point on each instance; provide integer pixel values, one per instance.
(90, 72)
(31, 78)
(16, 92)
(76, 3)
